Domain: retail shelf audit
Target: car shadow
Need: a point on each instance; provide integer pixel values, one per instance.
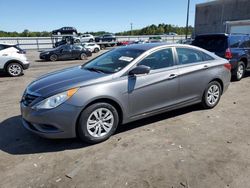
(16, 140)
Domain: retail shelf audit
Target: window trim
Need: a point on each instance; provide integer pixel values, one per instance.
(157, 70)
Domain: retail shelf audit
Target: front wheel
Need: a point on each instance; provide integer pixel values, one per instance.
(212, 94)
(97, 123)
(15, 69)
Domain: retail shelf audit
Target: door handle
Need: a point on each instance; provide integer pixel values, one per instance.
(172, 76)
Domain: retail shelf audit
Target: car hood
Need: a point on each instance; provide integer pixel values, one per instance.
(63, 80)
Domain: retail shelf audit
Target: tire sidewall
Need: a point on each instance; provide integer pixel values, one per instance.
(54, 56)
(239, 64)
(204, 100)
(12, 74)
(82, 124)
(83, 56)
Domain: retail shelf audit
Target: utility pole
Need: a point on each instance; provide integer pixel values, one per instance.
(187, 18)
(131, 28)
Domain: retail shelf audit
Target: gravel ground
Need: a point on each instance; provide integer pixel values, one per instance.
(190, 147)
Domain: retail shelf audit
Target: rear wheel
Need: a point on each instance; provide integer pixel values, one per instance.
(212, 94)
(97, 123)
(241, 68)
(53, 57)
(14, 69)
(91, 40)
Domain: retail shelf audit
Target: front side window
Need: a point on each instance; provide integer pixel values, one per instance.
(114, 60)
(188, 56)
(160, 59)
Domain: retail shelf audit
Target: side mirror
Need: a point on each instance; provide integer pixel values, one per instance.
(139, 70)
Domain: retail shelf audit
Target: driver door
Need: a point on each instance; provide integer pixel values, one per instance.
(156, 90)
(66, 52)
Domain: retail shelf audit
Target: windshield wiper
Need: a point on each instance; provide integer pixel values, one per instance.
(95, 69)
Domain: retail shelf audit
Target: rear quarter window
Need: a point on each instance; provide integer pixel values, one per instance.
(234, 41)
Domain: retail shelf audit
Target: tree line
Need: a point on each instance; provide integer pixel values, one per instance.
(149, 30)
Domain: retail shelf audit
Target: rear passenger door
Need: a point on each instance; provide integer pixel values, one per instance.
(193, 68)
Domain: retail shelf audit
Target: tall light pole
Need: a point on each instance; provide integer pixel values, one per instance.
(187, 18)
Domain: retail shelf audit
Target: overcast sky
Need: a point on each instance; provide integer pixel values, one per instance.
(88, 15)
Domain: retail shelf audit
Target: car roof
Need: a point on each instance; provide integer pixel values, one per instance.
(148, 46)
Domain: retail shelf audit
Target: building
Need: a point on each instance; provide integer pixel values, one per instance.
(223, 16)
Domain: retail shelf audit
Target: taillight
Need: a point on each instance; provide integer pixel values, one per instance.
(228, 66)
(228, 54)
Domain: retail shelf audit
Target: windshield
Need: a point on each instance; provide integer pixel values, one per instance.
(214, 43)
(114, 60)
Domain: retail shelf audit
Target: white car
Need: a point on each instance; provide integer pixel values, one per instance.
(84, 38)
(12, 59)
(93, 47)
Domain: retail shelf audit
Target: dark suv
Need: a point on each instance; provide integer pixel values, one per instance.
(65, 31)
(234, 47)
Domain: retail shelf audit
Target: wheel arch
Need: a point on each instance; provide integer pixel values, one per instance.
(112, 102)
(12, 61)
(244, 60)
(220, 82)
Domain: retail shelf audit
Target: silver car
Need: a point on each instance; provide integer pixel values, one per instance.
(121, 86)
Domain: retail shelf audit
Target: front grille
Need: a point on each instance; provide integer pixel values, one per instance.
(28, 99)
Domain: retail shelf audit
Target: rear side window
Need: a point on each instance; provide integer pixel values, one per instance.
(213, 43)
(188, 56)
(234, 41)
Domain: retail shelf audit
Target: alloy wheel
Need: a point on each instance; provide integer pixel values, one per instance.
(240, 71)
(213, 94)
(15, 69)
(100, 122)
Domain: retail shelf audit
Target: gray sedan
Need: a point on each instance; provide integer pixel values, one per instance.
(121, 86)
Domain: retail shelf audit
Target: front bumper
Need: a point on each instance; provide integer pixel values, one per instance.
(59, 122)
(26, 65)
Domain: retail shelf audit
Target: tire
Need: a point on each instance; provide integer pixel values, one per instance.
(58, 33)
(212, 94)
(91, 40)
(91, 129)
(53, 57)
(14, 69)
(77, 41)
(83, 56)
(96, 50)
(240, 72)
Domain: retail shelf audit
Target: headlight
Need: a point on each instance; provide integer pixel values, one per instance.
(46, 53)
(55, 100)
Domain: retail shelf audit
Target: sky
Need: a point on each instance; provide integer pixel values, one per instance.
(92, 15)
